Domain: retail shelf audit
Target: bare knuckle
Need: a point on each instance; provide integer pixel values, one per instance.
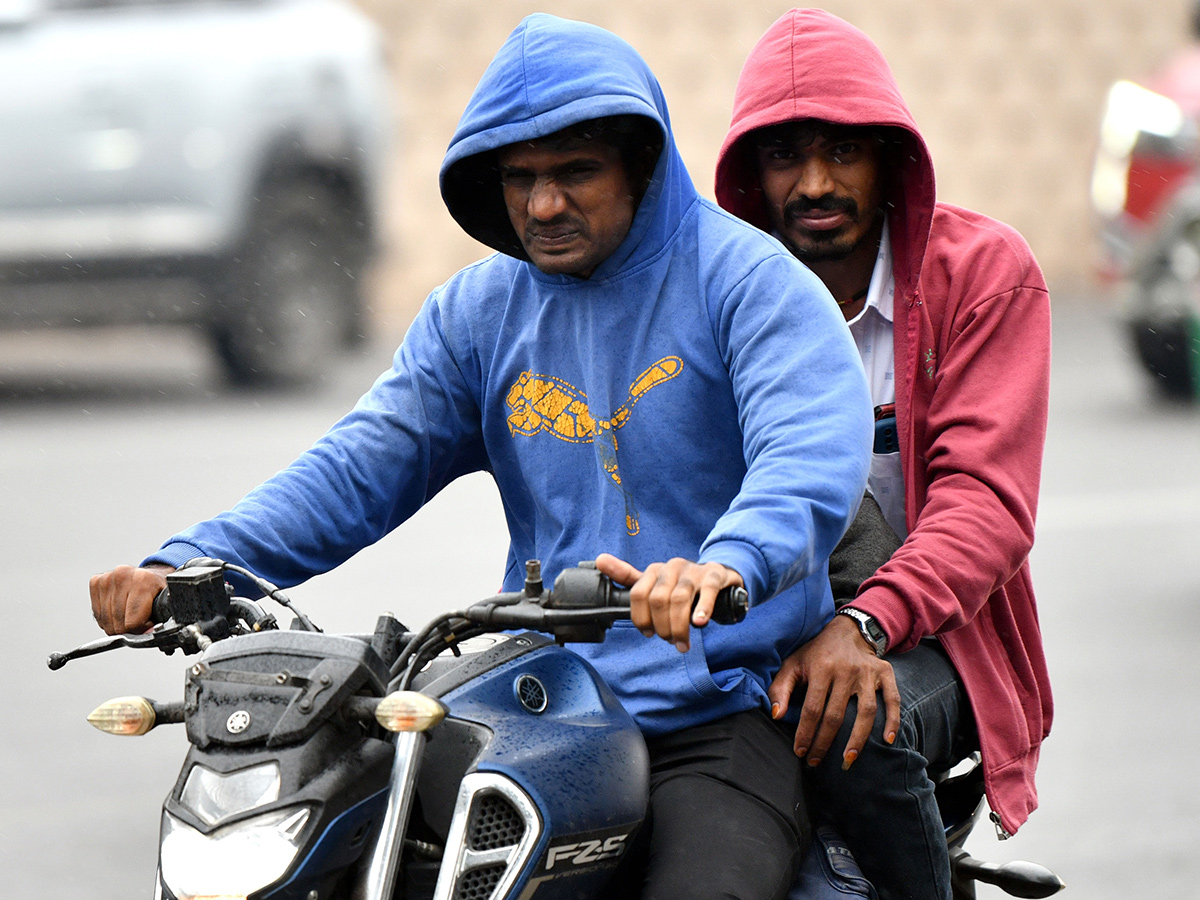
(684, 591)
(659, 600)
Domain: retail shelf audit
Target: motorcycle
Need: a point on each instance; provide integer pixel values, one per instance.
(475, 759)
(1146, 195)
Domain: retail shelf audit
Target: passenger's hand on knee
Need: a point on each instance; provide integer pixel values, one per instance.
(835, 666)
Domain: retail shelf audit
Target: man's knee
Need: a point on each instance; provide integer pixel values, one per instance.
(877, 760)
(759, 852)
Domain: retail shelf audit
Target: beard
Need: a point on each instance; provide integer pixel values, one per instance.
(822, 246)
(816, 246)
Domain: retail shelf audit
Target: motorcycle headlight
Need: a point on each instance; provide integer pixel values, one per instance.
(213, 796)
(231, 862)
(1130, 110)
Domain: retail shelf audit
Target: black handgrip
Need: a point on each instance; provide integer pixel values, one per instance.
(160, 611)
(729, 608)
(731, 605)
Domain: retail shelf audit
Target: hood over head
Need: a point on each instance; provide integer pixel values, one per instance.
(550, 74)
(812, 65)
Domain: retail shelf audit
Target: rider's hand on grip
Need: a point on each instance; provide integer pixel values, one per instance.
(122, 598)
(668, 598)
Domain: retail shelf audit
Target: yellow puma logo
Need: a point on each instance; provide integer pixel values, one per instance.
(545, 403)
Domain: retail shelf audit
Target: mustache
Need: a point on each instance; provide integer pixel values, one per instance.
(801, 206)
(556, 225)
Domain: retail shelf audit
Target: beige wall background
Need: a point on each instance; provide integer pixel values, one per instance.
(1008, 94)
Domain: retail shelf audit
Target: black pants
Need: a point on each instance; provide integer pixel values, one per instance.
(726, 816)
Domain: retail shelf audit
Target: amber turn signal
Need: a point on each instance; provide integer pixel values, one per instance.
(409, 711)
(124, 715)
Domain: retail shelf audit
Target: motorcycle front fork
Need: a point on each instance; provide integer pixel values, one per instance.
(379, 879)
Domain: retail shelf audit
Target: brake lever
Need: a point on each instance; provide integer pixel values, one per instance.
(163, 637)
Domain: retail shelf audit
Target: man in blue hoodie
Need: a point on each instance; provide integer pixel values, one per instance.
(651, 382)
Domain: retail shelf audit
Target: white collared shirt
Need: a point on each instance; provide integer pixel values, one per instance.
(873, 334)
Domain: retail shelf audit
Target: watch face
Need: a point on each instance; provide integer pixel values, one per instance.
(871, 630)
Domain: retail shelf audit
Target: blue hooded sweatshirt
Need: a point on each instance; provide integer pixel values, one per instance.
(697, 396)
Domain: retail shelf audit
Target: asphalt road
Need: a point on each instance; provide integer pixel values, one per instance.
(111, 441)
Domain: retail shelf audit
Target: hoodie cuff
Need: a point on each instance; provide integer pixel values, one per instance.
(174, 553)
(743, 558)
(892, 614)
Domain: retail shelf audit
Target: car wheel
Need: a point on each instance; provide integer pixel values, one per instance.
(291, 297)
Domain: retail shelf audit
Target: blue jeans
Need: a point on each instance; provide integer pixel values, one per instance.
(884, 807)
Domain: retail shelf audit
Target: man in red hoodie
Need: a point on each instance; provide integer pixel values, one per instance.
(940, 650)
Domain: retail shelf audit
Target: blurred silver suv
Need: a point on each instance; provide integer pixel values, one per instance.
(207, 162)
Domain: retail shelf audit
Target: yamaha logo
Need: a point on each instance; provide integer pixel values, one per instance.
(238, 722)
(531, 693)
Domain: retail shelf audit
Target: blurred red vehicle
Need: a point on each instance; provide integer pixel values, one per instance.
(1146, 194)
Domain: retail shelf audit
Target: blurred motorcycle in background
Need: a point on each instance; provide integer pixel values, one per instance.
(1146, 195)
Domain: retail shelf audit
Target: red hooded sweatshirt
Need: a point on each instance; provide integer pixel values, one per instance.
(972, 342)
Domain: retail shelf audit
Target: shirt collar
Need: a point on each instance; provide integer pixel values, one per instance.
(881, 293)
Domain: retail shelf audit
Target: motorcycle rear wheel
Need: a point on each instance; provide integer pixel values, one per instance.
(1169, 350)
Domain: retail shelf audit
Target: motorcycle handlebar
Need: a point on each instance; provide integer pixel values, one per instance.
(729, 608)
(585, 586)
(583, 597)
(582, 605)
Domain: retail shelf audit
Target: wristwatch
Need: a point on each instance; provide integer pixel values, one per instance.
(869, 628)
